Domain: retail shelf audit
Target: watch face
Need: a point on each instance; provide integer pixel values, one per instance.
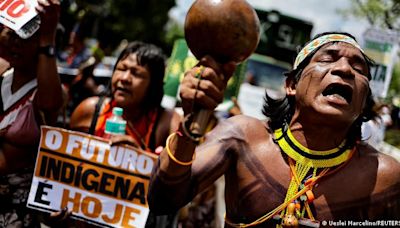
(48, 50)
(51, 50)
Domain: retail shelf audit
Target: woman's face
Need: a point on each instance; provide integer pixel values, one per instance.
(334, 83)
(130, 82)
(17, 51)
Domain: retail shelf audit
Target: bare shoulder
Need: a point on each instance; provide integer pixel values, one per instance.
(241, 127)
(388, 168)
(83, 113)
(248, 123)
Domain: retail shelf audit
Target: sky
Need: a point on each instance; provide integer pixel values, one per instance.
(323, 14)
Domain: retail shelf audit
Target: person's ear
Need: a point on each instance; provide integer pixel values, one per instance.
(290, 86)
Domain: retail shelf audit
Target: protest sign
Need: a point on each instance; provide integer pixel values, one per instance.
(382, 46)
(16, 13)
(101, 184)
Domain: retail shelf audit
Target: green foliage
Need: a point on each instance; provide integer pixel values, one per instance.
(174, 32)
(394, 88)
(381, 13)
(392, 136)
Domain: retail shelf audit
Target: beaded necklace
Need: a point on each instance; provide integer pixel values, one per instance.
(302, 160)
(307, 157)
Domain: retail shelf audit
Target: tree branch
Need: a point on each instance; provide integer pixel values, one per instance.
(387, 19)
(366, 12)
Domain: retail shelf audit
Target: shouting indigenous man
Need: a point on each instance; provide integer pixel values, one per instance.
(305, 164)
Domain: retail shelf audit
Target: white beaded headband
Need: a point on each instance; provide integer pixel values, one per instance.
(310, 47)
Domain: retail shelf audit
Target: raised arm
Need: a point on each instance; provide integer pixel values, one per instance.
(49, 94)
(182, 173)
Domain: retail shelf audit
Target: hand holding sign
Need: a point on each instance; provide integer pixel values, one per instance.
(227, 31)
(25, 17)
(98, 183)
(49, 12)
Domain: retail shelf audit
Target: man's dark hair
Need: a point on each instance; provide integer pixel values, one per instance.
(280, 111)
(153, 57)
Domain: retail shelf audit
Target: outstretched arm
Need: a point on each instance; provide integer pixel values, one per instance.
(176, 180)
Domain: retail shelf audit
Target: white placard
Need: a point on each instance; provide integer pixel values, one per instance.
(16, 13)
(100, 184)
(382, 46)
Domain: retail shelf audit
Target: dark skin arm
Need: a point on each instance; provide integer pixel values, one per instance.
(169, 191)
(43, 68)
(81, 117)
(258, 175)
(167, 124)
(49, 97)
(175, 184)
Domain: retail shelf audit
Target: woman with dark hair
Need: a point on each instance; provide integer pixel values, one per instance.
(137, 87)
(305, 163)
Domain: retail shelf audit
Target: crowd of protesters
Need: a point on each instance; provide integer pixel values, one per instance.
(250, 153)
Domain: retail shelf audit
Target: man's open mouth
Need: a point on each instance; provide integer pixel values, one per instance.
(339, 91)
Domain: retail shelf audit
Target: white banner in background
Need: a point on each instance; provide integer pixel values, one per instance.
(382, 46)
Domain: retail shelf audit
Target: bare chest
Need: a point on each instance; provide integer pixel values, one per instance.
(260, 181)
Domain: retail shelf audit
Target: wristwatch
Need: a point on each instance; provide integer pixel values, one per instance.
(48, 50)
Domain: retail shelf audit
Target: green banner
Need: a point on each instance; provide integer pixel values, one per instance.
(182, 60)
(178, 63)
(232, 89)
